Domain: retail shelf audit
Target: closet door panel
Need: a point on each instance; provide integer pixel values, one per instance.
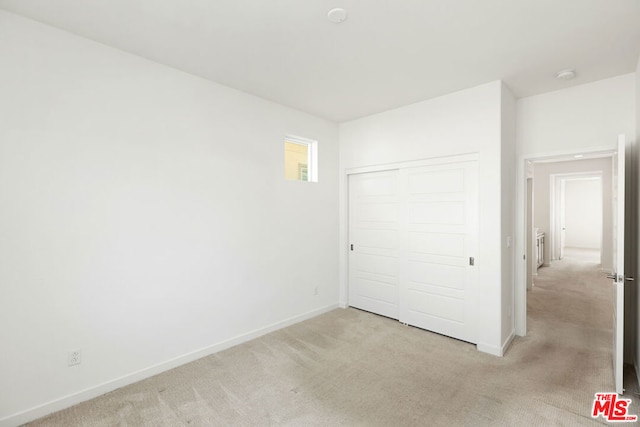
(413, 232)
(374, 236)
(437, 290)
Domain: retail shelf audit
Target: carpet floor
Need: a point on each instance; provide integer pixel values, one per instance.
(350, 367)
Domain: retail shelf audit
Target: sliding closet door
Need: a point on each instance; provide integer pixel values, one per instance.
(439, 275)
(413, 244)
(374, 233)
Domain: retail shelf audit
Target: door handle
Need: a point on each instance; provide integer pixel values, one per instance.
(619, 278)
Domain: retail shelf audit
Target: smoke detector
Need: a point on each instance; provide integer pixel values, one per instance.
(566, 74)
(337, 15)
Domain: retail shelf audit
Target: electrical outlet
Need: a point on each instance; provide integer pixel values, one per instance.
(74, 357)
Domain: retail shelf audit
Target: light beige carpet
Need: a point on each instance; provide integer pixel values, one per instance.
(354, 368)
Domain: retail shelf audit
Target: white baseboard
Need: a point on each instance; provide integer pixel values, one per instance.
(508, 341)
(489, 349)
(494, 349)
(100, 389)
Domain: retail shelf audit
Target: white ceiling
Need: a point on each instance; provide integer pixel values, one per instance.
(387, 54)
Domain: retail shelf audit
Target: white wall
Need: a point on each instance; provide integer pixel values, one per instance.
(579, 118)
(508, 177)
(145, 218)
(582, 118)
(463, 122)
(542, 205)
(583, 213)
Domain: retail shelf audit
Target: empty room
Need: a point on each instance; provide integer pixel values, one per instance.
(318, 213)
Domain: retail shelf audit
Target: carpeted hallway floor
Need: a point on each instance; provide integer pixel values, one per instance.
(353, 368)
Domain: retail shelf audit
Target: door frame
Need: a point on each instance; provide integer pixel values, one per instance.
(531, 243)
(522, 173)
(557, 207)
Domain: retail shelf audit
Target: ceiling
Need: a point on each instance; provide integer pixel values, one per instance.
(385, 55)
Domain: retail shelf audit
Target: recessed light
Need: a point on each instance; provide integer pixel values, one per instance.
(578, 156)
(337, 15)
(566, 74)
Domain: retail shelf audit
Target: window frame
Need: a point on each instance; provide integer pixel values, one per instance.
(312, 155)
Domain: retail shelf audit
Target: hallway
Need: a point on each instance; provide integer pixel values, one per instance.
(569, 315)
(573, 290)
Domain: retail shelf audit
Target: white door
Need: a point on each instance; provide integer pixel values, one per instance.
(618, 264)
(374, 236)
(439, 276)
(413, 242)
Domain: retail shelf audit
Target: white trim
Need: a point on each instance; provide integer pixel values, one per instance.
(312, 162)
(343, 242)
(568, 155)
(294, 139)
(578, 175)
(556, 207)
(495, 350)
(312, 154)
(508, 341)
(414, 163)
(92, 392)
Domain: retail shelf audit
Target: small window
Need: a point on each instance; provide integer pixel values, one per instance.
(300, 159)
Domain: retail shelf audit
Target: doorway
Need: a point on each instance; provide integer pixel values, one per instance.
(573, 220)
(620, 205)
(571, 209)
(577, 218)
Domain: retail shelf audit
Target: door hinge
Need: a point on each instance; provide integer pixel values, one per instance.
(472, 261)
(352, 246)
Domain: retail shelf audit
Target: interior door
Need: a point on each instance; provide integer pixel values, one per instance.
(374, 236)
(439, 276)
(618, 263)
